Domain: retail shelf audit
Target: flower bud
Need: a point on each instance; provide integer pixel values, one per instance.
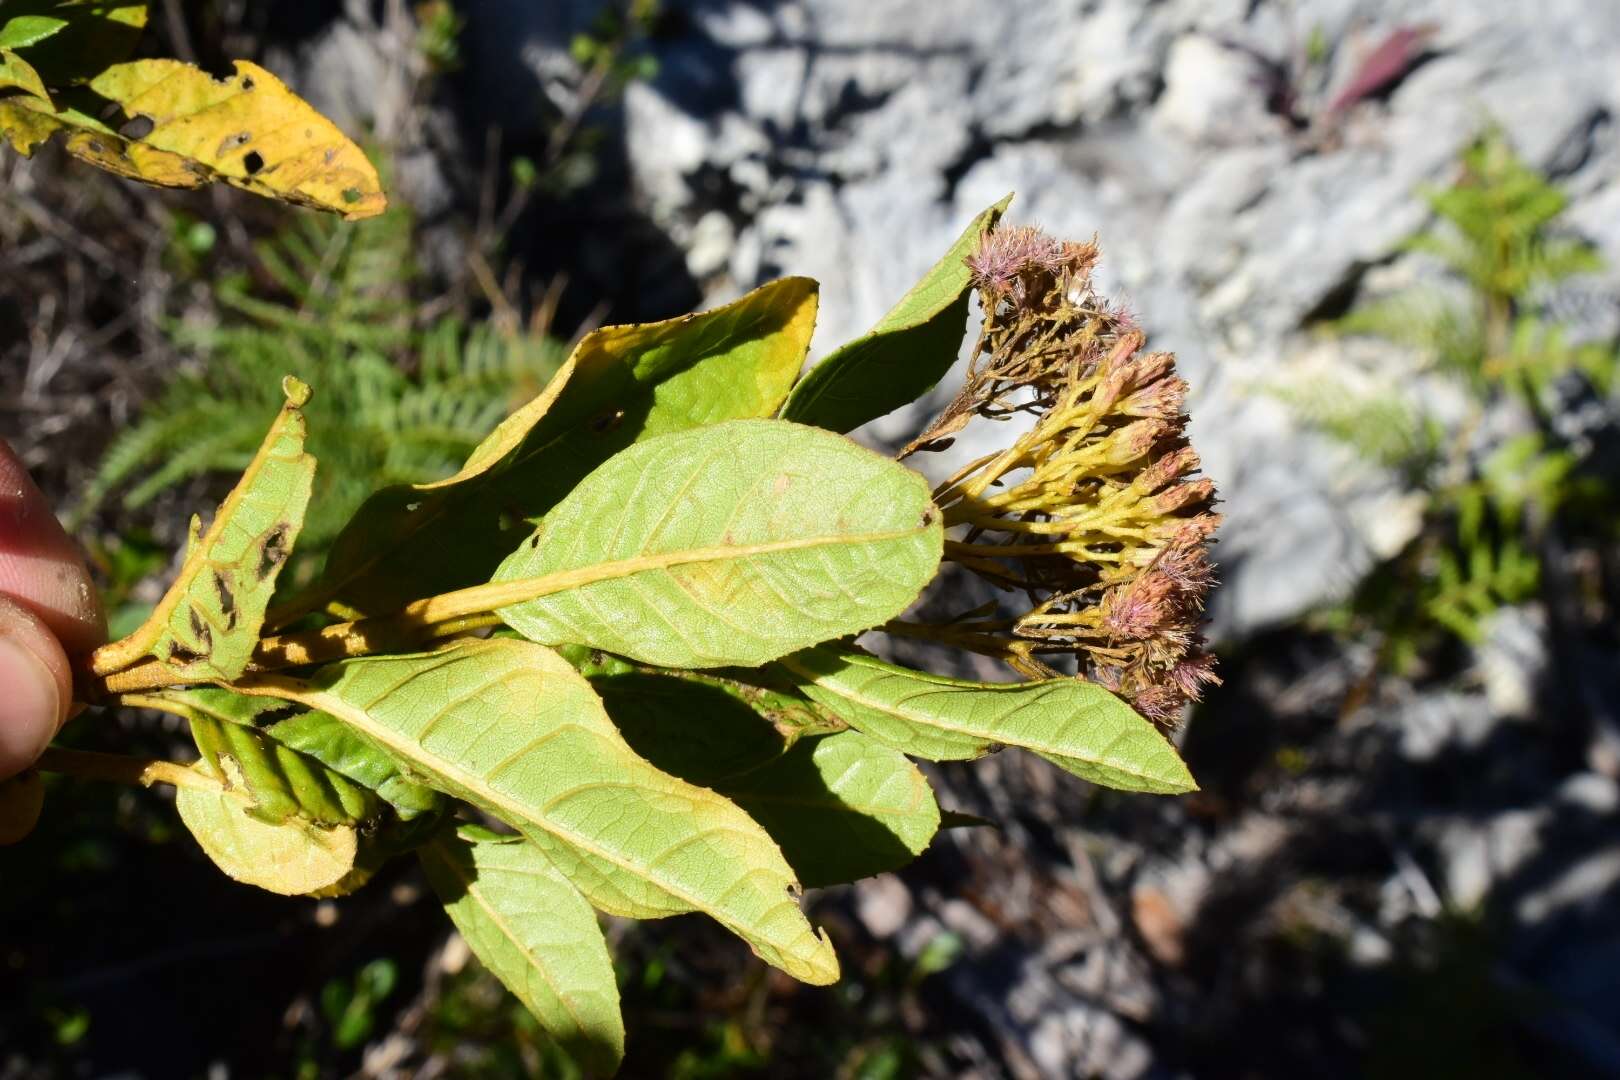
(1187, 493)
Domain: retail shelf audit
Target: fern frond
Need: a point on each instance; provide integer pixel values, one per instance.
(394, 403)
(1495, 226)
(1383, 428)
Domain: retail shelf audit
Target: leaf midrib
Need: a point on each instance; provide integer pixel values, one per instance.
(957, 729)
(533, 588)
(469, 882)
(402, 745)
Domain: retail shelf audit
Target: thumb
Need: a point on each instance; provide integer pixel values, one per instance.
(36, 687)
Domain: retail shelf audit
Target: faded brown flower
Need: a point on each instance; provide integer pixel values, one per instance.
(1096, 513)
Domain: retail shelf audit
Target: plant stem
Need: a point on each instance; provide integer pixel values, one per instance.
(119, 769)
(429, 618)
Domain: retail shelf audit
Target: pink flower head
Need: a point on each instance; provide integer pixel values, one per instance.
(1194, 673)
(1006, 254)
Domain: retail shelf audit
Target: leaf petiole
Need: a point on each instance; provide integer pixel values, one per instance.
(121, 768)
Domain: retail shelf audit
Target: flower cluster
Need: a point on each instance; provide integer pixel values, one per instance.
(1096, 512)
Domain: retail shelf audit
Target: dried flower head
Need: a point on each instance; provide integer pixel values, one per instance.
(1095, 513)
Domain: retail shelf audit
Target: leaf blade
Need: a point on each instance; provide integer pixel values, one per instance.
(16, 73)
(293, 858)
(732, 545)
(93, 34)
(345, 751)
(207, 624)
(621, 384)
(634, 840)
(249, 131)
(695, 730)
(904, 355)
(276, 782)
(21, 31)
(535, 932)
(1078, 726)
(842, 806)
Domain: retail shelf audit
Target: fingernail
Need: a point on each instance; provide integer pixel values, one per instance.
(30, 706)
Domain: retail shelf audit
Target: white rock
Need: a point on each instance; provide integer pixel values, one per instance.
(1582, 887)
(708, 250)
(668, 143)
(1512, 659)
(883, 904)
(1592, 792)
(1477, 855)
(1210, 93)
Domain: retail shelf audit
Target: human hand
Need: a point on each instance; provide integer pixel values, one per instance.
(49, 612)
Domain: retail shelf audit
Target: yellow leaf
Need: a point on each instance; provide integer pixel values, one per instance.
(294, 858)
(184, 128)
(207, 624)
(24, 128)
(17, 73)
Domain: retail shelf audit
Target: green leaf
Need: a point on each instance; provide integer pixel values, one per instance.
(842, 807)
(316, 735)
(341, 748)
(699, 731)
(281, 782)
(534, 931)
(276, 785)
(227, 806)
(1076, 725)
(622, 384)
(21, 31)
(904, 355)
(747, 694)
(276, 782)
(16, 73)
(88, 35)
(294, 858)
(207, 624)
(728, 545)
(510, 727)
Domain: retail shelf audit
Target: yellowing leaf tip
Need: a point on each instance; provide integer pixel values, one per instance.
(297, 391)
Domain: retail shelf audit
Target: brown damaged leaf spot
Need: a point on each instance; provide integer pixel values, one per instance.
(199, 630)
(180, 655)
(227, 600)
(232, 142)
(273, 550)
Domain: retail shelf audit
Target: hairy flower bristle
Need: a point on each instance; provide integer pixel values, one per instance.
(1008, 254)
(1095, 512)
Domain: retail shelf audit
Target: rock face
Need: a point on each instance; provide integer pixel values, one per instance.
(850, 140)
